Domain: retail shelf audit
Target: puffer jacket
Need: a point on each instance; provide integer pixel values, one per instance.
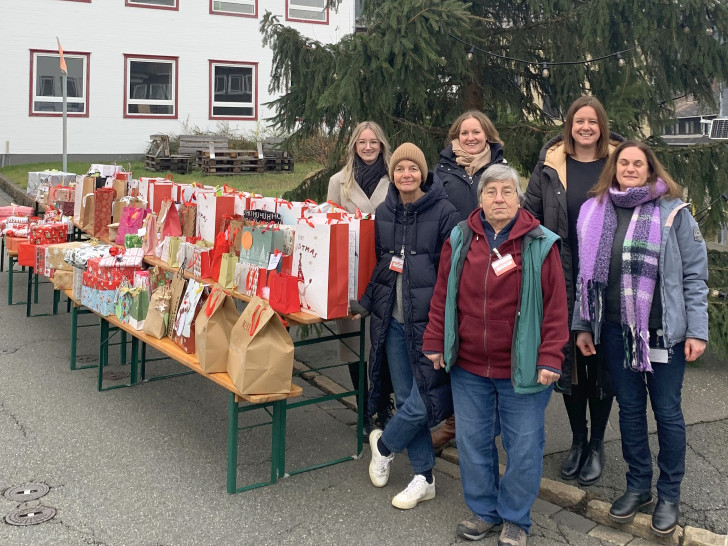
(421, 230)
(546, 200)
(462, 189)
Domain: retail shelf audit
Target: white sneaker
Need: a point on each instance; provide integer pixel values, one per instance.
(379, 467)
(417, 490)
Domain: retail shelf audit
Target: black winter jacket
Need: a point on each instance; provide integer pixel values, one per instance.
(422, 228)
(546, 200)
(462, 191)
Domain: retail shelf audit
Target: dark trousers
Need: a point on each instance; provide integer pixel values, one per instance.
(586, 394)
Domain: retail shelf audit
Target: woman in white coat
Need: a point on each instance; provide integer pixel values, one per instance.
(363, 184)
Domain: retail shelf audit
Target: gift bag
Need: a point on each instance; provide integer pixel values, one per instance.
(283, 293)
(170, 251)
(321, 264)
(103, 199)
(183, 328)
(157, 319)
(87, 213)
(133, 240)
(139, 307)
(212, 331)
(132, 220)
(122, 302)
(257, 244)
(260, 358)
(119, 205)
(85, 185)
(210, 210)
(159, 277)
(246, 276)
(168, 220)
(177, 288)
(118, 185)
(227, 270)
(150, 241)
(201, 264)
(188, 219)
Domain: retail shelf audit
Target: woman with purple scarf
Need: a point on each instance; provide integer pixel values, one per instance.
(642, 294)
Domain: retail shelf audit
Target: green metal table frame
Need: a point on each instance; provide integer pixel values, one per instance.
(12, 260)
(32, 295)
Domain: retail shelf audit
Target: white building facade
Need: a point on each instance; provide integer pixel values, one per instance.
(140, 67)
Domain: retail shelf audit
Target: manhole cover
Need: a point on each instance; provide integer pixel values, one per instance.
(30, 516)
(115, 375)
(26, 492)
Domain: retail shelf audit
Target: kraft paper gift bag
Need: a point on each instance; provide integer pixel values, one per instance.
(85, 185)
(260, 358)
(87, 213)
(188, 219)
(157, 319)
(183, 328)
(212, 331)
(321, 264)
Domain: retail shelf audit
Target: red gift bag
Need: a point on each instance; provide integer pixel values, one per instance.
(284, 293)
(168, 220)
(223, 245)
(103, 200)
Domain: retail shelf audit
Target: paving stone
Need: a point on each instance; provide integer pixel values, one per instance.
(574, 521)
(447, 468)
(450, 454)
(545, 507)
(702, 537)
(562, 494)
(614, 536)
(641, 542)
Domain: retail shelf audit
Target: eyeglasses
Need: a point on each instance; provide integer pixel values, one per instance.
(506, 193)
(371, 143)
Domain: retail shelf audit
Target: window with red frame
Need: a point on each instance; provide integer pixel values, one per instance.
(314, 11)
(46, 83)
(247, 8)
(233, 90)
(165, 4)
(151, 86)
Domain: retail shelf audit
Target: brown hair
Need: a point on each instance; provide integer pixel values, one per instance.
(578, 104)
(608, 178)
(491, 133)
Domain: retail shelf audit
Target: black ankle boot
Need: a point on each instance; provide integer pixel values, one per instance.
(593, 465)
(367, 429)
(665, 517)
(574, 460)
(625, 507)
(384, 415)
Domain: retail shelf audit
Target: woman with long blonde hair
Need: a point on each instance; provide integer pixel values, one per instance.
(363, 184)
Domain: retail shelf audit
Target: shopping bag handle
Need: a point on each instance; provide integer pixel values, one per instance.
(253, 321)
(211, 302)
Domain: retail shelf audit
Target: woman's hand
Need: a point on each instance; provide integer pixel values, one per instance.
(694, 348)
(437, 360)
(546, 377)
(585, 342)
(356, 317)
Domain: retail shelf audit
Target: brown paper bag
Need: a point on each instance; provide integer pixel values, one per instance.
(119, 206)
(88, 214)
(178, 285)
(155, 323)
(260, 359)
(213, 325)
(120, 188)
(188, 219)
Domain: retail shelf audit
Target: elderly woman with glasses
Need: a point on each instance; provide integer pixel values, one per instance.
(498, 320)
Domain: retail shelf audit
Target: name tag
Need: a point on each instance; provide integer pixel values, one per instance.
(397, 264)
(658, 355)
(503, 265)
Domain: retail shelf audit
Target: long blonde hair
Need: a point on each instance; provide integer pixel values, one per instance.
(348, 170)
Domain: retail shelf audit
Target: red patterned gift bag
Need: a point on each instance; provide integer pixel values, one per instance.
(103, 200)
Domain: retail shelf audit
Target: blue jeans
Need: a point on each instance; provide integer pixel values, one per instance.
(408, 429)
(487, 407)
(664, 386)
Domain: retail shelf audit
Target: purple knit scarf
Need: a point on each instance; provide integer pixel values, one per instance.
(595, 227)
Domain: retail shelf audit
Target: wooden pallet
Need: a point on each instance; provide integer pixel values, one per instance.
(175, 163)
(191, 144)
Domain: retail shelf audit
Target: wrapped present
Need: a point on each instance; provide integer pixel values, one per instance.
(99, 299)
(62, 280)
(105, 170)
(12, 243)
(79, 256)
(66, 207)
(139, 308)
(40, 263)
(77, 282)
(26, 254)
(55, 255)
(48, 234)
(52, 215)
(67, 194)
(131, 257)
(133, 241)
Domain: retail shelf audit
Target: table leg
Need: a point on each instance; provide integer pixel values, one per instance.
(74, 333)
(232, 448)
(278, 454)
(28, 303)
(31, 270)
(56, 300)
(122, 348)
(134, 360)
(103, 352)
(10, 279)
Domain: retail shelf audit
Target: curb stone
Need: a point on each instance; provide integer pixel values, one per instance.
(17, 195)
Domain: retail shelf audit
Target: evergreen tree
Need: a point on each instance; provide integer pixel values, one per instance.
(410, 71)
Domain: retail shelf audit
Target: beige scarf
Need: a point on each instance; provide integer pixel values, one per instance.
(471, 163)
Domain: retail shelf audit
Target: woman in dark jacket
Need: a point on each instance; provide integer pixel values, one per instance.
(411, 226)
(472, 146)
(578, 155)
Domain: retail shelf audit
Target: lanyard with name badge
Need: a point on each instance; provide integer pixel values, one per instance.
(397, 263)
(503, 264)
